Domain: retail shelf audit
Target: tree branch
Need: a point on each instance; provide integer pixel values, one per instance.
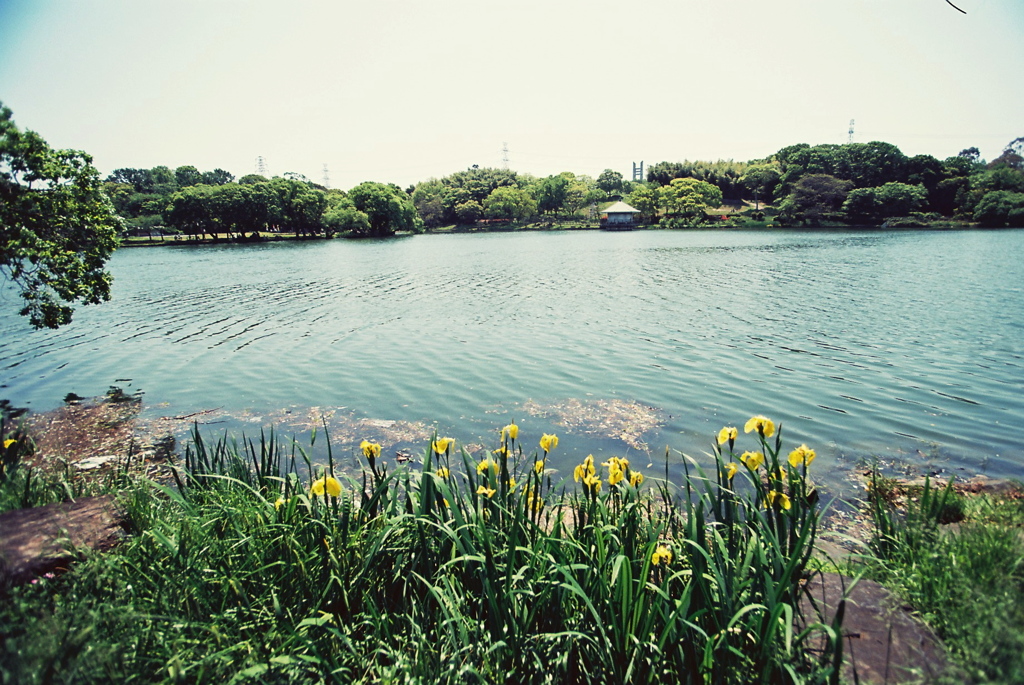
(955, 7)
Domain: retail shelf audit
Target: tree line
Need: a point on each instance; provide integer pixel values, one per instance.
(829, 184)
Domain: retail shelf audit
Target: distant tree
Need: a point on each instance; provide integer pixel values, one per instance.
(1000, 208)
(387, 208)
(428, 198)
(760, 180)
(140, 179)
(884, 202)
(217, 177)
(468, 212)
(580, 192)
(550, 193)
(187, 176)
(610, 182)
(191, 211)
(644, 199)
(57, 229)
(343, 217)
(690, 199)
(509, 203)
(250, 179)
(815, 197)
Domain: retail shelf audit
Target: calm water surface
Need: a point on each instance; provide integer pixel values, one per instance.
(904, 345)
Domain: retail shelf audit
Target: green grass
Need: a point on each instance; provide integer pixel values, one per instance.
(449, 570)
(967, 582)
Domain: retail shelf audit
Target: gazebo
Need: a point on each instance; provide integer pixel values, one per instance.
(619, 217)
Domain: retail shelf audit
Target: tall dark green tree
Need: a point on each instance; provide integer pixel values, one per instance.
(57, 229)
(387, 208)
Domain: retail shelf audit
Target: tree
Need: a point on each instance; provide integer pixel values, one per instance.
(550, 193)
(1000, 208)
(509, 203)
(217, 177)
(644, 199)
(690, 198)
(884, 202)
(57, 229)
(815, 197)
(387, 208)
(187, 176)
(343, 217)
(761, 179)
(610, 182)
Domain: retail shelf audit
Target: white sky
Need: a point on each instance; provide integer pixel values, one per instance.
(402, 90)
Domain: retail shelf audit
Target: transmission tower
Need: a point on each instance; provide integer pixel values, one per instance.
(504, 156)
(261, 166)
(850, 139)
(327, 177)
(638, 171)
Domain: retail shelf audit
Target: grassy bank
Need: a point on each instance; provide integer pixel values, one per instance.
(451, 569)
(959, 561)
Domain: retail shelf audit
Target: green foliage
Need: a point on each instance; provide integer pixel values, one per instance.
(57, 229)
(610, 182)
(689, 199)
(815, 198)
(1000, 208)
(387, 207)
(509, 203)
(450, 570)
(883, 202)
(968, 584)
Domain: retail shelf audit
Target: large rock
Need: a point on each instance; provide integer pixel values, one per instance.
(46, 539)
(882, 641)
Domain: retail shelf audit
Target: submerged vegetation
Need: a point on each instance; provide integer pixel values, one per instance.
(258, 565)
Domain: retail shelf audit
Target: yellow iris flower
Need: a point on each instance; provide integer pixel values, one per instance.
(662, 555)
(727, 434)
(371, 450)
(279, 503)
(585, 469)
(443, 472)
(801, 455)
(548, 442)
(780, 497)
(730, 470)
(538, 467)
(441, 445)
(326, 484)
(487, 464)
(762, 425)
(9, 442)
(636, 478)
(592, 483)
(486, 491)
(752, 460)
(512, 430)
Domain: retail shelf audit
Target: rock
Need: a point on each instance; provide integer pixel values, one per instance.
(45, 539)
(882, 642)
(91, 463)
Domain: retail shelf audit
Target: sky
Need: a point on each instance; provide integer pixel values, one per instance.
(400, 91)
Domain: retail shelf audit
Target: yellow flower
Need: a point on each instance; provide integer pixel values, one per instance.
(617, 469)
(762, 425)
(445, 500)
(9, 442)
(487, 464)
(326, 484)
(548, 442)
(662, 555)
(512, 430)
(636, 478)
(538, 467)
(533, 502)
(783, 500)
(752, 460)
(727, 434)
(592, 483)
(443, 472)
(779, 473)
(501, 451)
(441, 445)
(801, 455)
(371, 450)
(486, 491)
(279, 503)
(511, 483)
(730, 470)
(585, 469)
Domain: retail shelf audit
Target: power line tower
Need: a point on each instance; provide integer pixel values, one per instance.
(261, 166)
(850, 139)
(327, 177)
(504, 156)
(638, 171)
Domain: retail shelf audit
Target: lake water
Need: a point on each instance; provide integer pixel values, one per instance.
(903, 345)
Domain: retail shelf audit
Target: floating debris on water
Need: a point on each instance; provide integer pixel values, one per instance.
(626, 420)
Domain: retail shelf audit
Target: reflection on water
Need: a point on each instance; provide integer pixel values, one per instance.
(860, 343)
